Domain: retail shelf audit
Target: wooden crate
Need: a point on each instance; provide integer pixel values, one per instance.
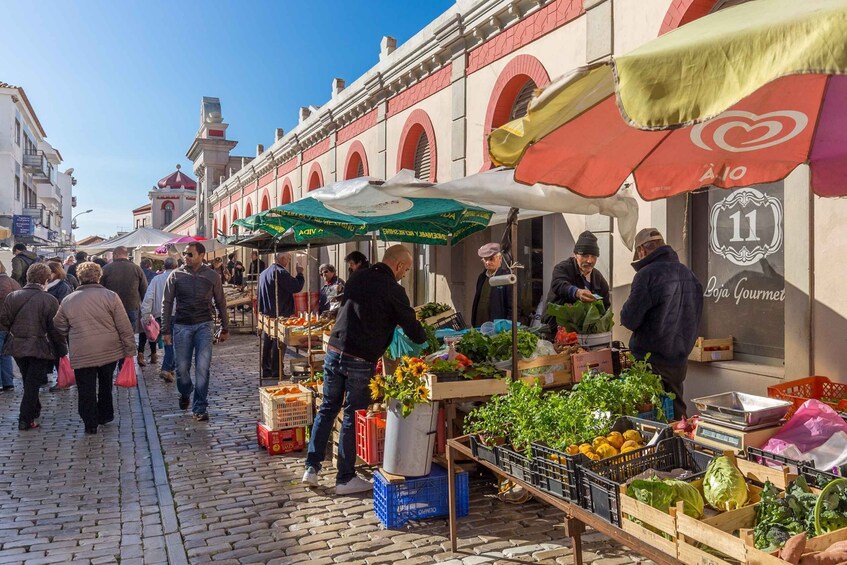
(665, 523)
(549, 379)
(464, 389)
(706, 350)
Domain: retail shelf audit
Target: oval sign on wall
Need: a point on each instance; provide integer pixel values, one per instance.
(746, 226)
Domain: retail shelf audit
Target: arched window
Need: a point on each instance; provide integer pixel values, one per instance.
(315, 180)
(266, 204)
(287, 194)
(522, 100)
(248, 209)
(215, 228)
(357, 165)
(168, 212)
(423, 157)
(234, 217)
(417, 146)
(223, 225)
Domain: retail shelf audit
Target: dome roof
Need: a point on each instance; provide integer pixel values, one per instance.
(177, 179)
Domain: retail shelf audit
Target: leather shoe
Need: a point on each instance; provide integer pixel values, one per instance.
(90, 430)
(141, 361)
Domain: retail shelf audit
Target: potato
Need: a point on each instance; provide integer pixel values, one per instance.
(794, 548)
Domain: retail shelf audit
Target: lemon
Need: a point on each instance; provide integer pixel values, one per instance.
(615, 439)
(585, 448)
(630, 445)
(598, 441)
(606, 450)
(572, 449)
(633, 435)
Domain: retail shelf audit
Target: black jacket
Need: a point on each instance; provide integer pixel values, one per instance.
(126, 279)
(278, 301)
(566, 280)
(193, 293)
(500, 299)
(372, 306)
(663, 309)
(27, 315)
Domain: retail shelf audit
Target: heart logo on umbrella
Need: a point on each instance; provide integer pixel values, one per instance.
(779, 127)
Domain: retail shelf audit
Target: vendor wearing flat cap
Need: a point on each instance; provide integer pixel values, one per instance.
(489, 302)
(575, 278)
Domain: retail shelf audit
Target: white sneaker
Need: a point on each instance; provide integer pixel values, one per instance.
(310, 477)
(353, 486)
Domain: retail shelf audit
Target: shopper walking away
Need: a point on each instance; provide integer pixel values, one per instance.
(276, 300)
(128, 281)
(33, 340)
(189, 328)
(58, 288)
(81, 257)
(99, 334)
(149, 274)
(152, 306)
(70, 279)
(7, 285)
(663, 311)
(372, 306)
(21, 261)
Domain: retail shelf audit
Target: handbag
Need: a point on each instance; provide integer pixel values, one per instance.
(151, 328)
(67, 378)
(126, 378)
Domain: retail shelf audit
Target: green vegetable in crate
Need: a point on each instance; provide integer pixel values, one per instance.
(724, 486)
(780, 517)
(662, 494)
(692, 501)
(475, 345)
(501, 345)
(582, 317)
(432, 309)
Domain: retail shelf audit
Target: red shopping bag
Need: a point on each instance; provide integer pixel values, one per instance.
(151, 328)
(126, 377)
(66, 374)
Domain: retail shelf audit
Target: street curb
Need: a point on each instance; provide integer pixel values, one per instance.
(170, 523)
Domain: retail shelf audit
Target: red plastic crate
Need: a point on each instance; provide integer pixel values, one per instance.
(370, 436)
(279, 442)
(819, 388)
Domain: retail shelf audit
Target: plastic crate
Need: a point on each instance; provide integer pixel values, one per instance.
(370, 436)
(482, 451)
(557, 472)
(395, 503)
(819, 388)
(758, 455)
(280, 442)
(513, 463)
(602, 480)
(667, 408)
(282, 411)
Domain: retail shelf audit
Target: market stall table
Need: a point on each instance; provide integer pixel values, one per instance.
(577, 518)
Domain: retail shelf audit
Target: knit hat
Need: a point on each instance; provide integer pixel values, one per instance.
(586, 244)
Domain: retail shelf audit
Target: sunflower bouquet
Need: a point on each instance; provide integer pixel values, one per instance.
(407, 385)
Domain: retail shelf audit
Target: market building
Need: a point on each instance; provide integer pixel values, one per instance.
(36, 199)
(171, 197)
(428, 105)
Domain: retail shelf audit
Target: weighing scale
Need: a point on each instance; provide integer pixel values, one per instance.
(730, 435)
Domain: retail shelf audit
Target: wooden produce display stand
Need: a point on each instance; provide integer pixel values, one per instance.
(576, 518)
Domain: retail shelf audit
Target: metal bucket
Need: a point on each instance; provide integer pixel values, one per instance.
(593, 341)
(409, 441)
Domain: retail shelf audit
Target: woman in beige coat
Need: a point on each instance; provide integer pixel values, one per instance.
(99, 335)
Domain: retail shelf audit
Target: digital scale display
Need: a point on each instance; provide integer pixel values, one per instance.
(720, 437)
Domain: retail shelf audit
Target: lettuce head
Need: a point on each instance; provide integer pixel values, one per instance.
(724, 486)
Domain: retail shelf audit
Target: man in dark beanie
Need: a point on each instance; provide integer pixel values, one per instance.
(575, 278)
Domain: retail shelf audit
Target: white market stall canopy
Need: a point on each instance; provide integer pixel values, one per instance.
(143, 236)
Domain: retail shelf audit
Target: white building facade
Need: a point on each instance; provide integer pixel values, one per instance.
(36, 200)
(429, 104)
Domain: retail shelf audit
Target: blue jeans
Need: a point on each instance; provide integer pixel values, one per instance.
(193, 340)
(168, 363)
(6, 373)
(345, 385)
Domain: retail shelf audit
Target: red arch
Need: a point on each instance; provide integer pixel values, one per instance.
(223, 224)
(316, 177)
(215, 228)
(355, 155)
(248, 209)
(417, 122)
(235, 212)
(166, 202)
(287, 195)
(682, 12)
(266, 201)
(512, 78)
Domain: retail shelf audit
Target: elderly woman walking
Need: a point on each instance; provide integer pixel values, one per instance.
(33, 340)
(99, 334)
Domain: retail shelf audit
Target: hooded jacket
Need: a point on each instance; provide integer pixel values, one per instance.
(664, 308)
(20, 263)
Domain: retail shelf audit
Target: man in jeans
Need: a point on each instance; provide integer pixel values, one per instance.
(152, 306)
(127, 280)
(190, 328)
(7, 285)
(372, 306)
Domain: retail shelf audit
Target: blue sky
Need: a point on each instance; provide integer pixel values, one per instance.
(117, 85)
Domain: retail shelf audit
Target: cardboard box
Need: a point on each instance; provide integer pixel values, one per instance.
(706, 350)
(278, 442)
(551, 378)
(599, 360)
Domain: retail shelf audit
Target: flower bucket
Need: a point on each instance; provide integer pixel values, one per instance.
(409, 441)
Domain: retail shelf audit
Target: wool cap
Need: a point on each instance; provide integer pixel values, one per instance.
(586, 244)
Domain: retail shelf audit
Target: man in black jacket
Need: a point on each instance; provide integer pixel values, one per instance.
(576, 279)
(663, 311)
(491, 302)
(373, 305)
(275, 300)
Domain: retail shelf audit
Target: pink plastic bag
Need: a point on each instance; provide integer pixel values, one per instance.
(126, 378)
(811, 426)
(151, 329)
(66, 374)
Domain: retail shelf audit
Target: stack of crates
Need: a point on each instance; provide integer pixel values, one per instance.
(285, 411)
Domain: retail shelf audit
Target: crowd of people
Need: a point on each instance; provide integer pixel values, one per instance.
(99, 315)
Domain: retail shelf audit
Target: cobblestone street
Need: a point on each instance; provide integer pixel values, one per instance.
(155, 486)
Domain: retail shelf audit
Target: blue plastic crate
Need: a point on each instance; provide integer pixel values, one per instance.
(417, 499)
(667, 406)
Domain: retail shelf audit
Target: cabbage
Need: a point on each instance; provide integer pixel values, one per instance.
(652, 492)
(724, 485)
(692, 501)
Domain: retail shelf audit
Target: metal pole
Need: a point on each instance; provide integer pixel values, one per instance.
(513, 248)
(309, 310)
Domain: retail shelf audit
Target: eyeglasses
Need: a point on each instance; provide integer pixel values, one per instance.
(187, 254)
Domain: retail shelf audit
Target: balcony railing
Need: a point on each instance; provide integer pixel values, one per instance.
(36, 164)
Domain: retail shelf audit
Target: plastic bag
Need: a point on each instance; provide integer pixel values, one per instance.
(66, 375)
(401, 345)
(151, 328)
(815, 432)
(126, 378)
